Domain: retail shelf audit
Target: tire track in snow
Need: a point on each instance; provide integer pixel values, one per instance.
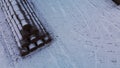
(3, 42)
(65, 56)
(6, 51)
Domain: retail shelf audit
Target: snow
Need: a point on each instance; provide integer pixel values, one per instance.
(4, 57)
(86, 35)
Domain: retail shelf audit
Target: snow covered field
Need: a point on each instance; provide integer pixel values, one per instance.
(86, 35)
